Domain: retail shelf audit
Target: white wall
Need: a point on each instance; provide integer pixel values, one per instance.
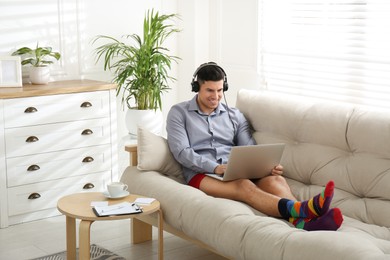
(69, 26)
(224, 31)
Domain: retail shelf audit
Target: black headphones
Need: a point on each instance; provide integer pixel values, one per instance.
(195, 84)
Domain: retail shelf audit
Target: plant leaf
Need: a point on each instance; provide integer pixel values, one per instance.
(140, 67)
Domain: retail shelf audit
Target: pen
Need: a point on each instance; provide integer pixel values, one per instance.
(135, 206)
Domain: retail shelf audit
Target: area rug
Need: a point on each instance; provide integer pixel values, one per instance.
(97, 253)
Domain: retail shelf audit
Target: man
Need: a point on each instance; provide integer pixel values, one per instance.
(202, 131)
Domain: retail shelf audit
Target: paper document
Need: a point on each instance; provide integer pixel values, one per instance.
(117, 209)
(144, 201)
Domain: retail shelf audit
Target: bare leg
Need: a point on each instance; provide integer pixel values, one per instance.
(276, 185)
(265, 201)
(265, 194)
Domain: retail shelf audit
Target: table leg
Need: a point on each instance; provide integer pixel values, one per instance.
(70, 238)
(160, 235)
(85, 239)
(140, 231)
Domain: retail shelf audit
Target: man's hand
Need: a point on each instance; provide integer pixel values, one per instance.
(220, 169)
(277, 170)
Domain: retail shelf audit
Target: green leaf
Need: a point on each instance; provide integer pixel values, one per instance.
(37, 57)
(140, 66)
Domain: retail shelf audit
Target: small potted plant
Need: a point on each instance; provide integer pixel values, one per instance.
(141, 68)
(37, 58)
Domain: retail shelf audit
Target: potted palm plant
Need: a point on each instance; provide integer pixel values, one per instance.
(141, 68)
(37, 58)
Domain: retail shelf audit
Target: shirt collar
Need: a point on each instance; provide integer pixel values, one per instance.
(195, 107)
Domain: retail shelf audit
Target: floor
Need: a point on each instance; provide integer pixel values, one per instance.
(44, 237)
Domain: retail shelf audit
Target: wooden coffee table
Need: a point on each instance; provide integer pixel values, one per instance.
(78, 206)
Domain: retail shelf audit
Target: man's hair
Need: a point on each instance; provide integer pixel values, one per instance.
(210, 73)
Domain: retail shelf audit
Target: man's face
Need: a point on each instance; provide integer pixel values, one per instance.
(209, 95)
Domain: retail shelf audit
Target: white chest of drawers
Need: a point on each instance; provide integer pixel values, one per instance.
(54, 140)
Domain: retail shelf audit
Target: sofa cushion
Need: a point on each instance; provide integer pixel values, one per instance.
(154, 154)
(240, 232)
(328, 140)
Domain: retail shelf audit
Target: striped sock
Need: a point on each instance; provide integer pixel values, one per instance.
(331, 221)
(314, 207)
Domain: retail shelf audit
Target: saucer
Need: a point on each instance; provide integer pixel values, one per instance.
(107, 195)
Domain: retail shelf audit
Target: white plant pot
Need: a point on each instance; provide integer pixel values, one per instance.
(148, 119)
(39, 75)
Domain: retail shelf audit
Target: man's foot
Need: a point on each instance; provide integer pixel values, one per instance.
(314, 207)
(331, 221)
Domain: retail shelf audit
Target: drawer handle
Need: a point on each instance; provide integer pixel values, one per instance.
(32, 139)
(88, 186)
(86, 104)
(87, 132)
(34, 196)
(30, 110)
(33, 167)
(87, 159)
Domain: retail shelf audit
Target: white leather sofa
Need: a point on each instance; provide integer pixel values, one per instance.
(324, 140)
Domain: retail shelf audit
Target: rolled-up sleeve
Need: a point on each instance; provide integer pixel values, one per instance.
(244, 132)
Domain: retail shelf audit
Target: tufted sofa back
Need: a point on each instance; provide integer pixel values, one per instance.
(328, 140)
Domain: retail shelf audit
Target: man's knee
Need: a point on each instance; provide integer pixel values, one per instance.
(279, 181)
(274, 184)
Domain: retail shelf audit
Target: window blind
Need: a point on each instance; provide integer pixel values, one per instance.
(338, 50)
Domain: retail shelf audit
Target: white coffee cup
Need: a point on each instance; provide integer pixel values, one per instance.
(116, 189)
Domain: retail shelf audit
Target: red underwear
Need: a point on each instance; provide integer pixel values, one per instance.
(195, 181)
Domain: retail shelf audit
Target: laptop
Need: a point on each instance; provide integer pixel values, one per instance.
(251, 162)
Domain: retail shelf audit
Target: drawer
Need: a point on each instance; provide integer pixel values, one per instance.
(55, 137)
(55, 108)
(50, 192)
(57, 165)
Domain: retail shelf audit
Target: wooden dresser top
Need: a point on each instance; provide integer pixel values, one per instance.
(55, 87)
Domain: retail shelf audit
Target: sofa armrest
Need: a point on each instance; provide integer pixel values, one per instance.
(140, 231)
(132, 149)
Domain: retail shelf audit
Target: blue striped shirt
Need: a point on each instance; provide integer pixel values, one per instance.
(200, 142)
